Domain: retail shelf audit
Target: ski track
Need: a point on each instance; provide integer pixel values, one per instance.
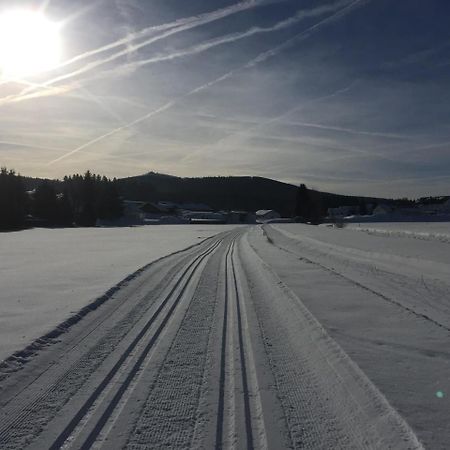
(206, 348)
(439, 306)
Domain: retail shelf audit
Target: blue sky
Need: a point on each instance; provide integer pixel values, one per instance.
(348, 96)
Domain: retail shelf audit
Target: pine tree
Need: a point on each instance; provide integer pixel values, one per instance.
(45, 203)
(303, 204)
(12, 200)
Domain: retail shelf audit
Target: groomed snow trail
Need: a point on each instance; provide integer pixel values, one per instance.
(206, 348)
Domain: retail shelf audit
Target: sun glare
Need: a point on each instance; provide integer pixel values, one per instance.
(29, 44)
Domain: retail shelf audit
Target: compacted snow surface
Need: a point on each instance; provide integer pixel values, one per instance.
(384, 296)
(276, 336)
(45, 275)
(430, 231)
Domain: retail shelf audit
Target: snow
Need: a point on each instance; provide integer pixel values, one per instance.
(437, 231)
(48, 274)
(384, 298)
(205, 349)
(297, 335)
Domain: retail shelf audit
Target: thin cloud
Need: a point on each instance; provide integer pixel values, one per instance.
(201, 20)
(265, 123)
(114, 131)
(349, 130)
(253, 62)
(233, 37)
(27, 145)
(130, 47)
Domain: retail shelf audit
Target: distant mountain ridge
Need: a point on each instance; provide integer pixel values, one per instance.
(228, 193)
(223, 192)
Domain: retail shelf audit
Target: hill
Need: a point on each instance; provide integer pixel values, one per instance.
(229, 193)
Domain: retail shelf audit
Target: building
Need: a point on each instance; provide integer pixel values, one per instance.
(264, 215)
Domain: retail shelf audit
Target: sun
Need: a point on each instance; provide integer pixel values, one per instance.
(30, 44)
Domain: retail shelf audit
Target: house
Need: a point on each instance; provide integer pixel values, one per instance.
(205, 217)
(264, 215)
(155, 211)
(168, 206)
(195, 207)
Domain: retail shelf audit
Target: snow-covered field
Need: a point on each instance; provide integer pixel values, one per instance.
(207, 348)
(385, 298)
(276, 336)
(45, 275)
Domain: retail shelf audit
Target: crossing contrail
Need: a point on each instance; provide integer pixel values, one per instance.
(253, 62)
(168, 29)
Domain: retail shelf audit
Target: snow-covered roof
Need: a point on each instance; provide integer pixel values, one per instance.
(264, 212)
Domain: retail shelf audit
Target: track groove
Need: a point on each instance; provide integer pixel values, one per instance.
(10, 433)
(237, 361)
(248, 414)
(122, 388)
(170, 413)
(223, 355)
(380, 295)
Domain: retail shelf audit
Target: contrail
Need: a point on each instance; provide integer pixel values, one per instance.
(350, 130)
(301, 15)
(116, 130)
(191, 51)
(253, 62)
(173, 28)
(25, 145)
(275, 119)
(192, 20)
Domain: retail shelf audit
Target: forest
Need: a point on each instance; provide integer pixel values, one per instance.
(76, 200)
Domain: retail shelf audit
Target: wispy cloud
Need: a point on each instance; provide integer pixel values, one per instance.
(233, 37)
(264, 124)
(342, 6)
(114, 131)
(348, 130)
(131, 46)
(262, 57)
(4, 143)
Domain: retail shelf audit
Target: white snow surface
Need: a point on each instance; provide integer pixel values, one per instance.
(428, 231)
(208, 348)
(48, 274)
(385, 298)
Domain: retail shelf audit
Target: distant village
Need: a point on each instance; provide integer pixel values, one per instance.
(164, 212)
(426, 208)
(93, 200)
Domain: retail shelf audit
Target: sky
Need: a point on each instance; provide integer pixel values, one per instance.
(346, 96)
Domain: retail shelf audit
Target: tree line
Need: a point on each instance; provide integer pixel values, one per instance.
(77, 200)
